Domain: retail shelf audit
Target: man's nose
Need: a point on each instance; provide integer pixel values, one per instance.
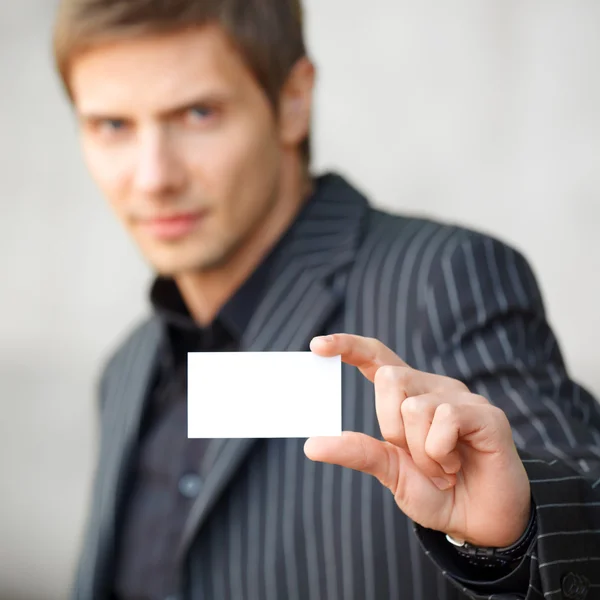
(158, 171)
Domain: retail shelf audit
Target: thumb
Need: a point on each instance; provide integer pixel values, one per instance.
(359, 452)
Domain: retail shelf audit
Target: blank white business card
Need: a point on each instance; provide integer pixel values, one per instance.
(263, 395)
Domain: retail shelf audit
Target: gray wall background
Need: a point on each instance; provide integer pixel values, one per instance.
(485, 113)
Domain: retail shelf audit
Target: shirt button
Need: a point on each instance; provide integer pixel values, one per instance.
(189, 487)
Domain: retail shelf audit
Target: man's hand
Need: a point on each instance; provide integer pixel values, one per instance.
(448, 455)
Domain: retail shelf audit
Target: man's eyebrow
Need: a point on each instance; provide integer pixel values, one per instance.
(208, 99)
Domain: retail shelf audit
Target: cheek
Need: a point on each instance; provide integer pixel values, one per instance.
(237, 167)
(110, 171)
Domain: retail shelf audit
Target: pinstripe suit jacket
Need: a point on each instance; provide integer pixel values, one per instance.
(269, 524)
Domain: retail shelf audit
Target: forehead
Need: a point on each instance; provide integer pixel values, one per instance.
(151, 73)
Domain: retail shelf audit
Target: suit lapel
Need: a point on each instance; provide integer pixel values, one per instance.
(296, 306)
(128, 378)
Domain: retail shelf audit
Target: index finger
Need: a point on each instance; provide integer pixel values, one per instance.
(366, 354)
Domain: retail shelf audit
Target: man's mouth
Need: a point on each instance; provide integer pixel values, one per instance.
(171, 227)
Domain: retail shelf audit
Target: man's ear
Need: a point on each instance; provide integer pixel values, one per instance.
(295, 105)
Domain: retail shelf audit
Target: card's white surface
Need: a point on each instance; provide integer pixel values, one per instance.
(263, 395)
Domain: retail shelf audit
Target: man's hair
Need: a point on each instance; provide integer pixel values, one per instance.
(267, 33)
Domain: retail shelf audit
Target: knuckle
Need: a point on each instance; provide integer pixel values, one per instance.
(385, 375)
(410, 406)
(459, 385)
(446, 412)
(498, 415)
(449, 384)
(392, 375)
(479, 399)
(374, 342)
(377, 343)
(363, 460)
(433, 448)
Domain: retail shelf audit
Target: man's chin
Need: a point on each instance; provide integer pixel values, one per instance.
(177, 268)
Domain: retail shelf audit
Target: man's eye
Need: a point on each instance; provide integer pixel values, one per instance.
(115, 124)
(201, 113)
(111, 126)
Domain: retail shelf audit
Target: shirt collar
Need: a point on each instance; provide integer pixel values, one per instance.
(235, 315)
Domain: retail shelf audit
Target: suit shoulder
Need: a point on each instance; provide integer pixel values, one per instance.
(426, 254)
(397, 228)
(444, 239)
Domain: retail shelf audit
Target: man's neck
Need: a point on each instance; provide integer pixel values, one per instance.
(205, 293)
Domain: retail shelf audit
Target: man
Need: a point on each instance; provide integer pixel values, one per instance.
(194, 120)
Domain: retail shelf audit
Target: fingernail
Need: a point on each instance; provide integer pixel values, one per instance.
(441, 483)
(325, 338)
(450, 470)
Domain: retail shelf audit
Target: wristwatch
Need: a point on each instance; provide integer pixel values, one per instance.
(505, 557)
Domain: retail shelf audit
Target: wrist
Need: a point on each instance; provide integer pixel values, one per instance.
(507, 556)
(501, 532)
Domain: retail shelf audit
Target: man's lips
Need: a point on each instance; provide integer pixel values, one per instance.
(171, 227)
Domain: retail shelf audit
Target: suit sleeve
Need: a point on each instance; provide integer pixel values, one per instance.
(483, 322)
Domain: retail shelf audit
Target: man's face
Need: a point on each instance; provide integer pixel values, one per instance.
(183, 143)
